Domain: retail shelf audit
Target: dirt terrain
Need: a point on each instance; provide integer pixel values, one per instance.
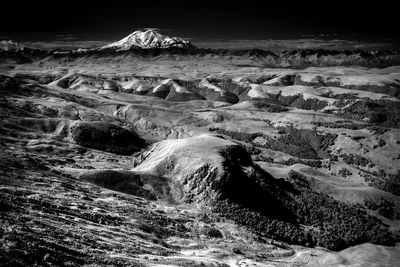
(138, 160)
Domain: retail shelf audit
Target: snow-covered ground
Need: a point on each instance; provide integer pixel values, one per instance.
(146, 39)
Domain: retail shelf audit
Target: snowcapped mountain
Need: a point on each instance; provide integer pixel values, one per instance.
(9, 45)
(147, 39)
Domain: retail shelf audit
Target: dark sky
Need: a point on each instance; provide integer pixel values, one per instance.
(200, 19)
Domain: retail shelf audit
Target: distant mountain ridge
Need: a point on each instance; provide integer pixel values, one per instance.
(151, 44)
(257, 58)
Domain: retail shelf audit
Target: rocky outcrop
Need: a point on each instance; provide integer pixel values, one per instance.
(87, 83)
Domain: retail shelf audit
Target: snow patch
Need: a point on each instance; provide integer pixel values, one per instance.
(147, 39)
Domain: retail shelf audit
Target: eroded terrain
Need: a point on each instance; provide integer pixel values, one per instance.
(153, 161)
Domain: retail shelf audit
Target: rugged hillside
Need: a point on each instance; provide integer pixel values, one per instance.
(153, 46)
(165, 158)
(375, 101)
(208, 170)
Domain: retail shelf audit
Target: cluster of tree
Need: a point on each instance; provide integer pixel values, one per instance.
(344, 172)
(344, 124)
(241, 136)
(304, 151)
(386, 182)
(378, 130)
(380, 143)
(382, 112)
(332, 224)
(308, 138)
(343, 97)
(357, 160)
(261, 157)
(357, 138)
(383, 207)
(292, 161)
(301, 103)
(348, 124)
(301, 150)
(274, 108)
(302, 143)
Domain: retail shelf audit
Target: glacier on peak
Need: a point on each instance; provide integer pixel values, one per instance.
(147, 39)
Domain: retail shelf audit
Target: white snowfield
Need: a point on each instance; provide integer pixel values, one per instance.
(9, 45)
(147, 39)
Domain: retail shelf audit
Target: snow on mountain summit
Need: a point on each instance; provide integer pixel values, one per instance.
(9, 45)
(147, 39)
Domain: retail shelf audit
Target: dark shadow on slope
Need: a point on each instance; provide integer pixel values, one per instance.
(277, 208)
(107, 137)
(253, 190)
(122, 181)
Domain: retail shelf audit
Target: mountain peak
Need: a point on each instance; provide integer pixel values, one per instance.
(9, 45)
(147, 39)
